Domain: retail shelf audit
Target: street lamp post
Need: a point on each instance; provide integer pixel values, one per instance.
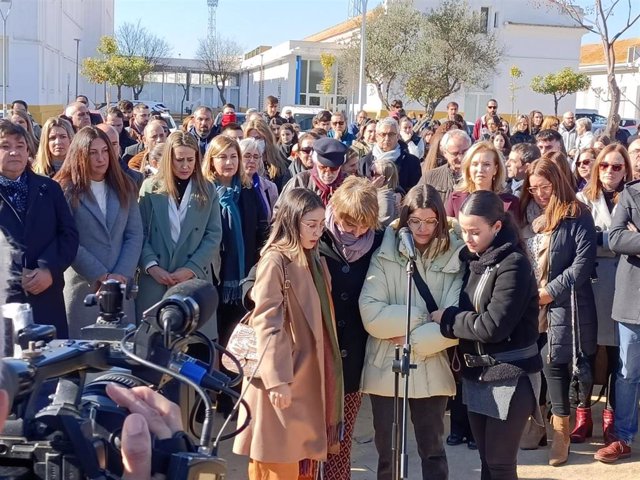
(77, 40)
(5, 16)
(361, 80)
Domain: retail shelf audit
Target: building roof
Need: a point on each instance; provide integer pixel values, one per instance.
(339, 29)
(593, 54)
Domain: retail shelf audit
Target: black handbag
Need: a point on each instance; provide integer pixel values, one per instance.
(582, 371)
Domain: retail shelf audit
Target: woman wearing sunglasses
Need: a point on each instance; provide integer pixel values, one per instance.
(611, 170)
(561, 240)
(582, 167)
(301, 159)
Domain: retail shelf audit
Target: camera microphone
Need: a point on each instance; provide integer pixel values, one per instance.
(406, 237)
(185, 307)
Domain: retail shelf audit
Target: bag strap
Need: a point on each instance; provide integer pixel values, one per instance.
(423, 290)
(575, 325)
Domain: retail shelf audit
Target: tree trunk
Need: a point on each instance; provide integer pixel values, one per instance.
(556, 101)
(381, 96)
(137, 91)
(119, 92)
(614, 90)
(223, 99)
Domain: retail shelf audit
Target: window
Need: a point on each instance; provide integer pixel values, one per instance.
(495, 20)
(633, 54)
(484, 19)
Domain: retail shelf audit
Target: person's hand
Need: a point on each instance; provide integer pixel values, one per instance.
(437, 316)
(116, 276)
(280, 396)
(150, 412)
(631, 227)
(37, 281)
(182, 275)
(161, 276)
(379, 181)
(545, 298)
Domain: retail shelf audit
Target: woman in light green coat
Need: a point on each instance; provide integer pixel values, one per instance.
(182, 228)
(383, 309)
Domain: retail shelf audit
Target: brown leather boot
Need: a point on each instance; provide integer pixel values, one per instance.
(534, 435)
(559, 452)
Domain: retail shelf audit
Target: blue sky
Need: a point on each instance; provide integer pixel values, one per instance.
(250, 22)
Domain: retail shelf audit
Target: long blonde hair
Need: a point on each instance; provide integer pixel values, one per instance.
(497, 183)
(165, 178)
(43, 163)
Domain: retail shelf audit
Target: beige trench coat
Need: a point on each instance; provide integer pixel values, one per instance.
(294, 356)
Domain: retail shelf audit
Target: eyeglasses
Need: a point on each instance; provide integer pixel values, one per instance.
(315, 227)
(616, 167)
(307, 150)
(548, 188)
(583, 163)
(255, 156)
(456, 154)
(387, 134)
(415, 223)
(337, 123)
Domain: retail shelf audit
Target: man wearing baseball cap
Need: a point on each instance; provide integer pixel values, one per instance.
(325, 176)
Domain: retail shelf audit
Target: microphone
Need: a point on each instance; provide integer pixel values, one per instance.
(406, 237)
(186, 307)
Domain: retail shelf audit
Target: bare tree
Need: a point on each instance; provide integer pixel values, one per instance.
(134, 40)
(221, 59)
(595, 19)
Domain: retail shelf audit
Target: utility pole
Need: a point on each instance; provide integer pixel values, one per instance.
(5, 16)
(77, 40)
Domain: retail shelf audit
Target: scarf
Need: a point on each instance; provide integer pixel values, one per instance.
(392, 155)
(16, 191)
(233, 269)
(333, 381)
(257, 187)
(325, 191)
(352, 247)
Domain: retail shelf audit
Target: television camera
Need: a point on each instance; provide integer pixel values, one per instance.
(63, 425)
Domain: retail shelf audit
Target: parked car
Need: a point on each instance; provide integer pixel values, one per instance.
(630, 125)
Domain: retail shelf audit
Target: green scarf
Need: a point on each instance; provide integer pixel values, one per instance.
(333, 382)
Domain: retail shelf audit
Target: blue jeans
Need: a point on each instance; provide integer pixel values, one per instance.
(628, 383)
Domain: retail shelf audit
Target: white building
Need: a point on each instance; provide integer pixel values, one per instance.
(538, 40)
(627, 75)
(43, 37)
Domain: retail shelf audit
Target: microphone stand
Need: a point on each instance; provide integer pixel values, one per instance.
(402, 366)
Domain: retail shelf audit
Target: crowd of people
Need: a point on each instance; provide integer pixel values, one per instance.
(526, 274)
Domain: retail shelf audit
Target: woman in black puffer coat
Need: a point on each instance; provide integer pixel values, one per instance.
(563, 245)
(497, 324)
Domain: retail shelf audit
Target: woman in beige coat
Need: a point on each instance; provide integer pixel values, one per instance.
(383, 309)
(296, 404)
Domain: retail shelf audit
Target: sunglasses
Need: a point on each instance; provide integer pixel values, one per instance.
(337, 123)
(615, 167)
(583, 163)
(307, 150)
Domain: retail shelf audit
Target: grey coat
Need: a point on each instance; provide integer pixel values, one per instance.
(626, 302)
(606, 264)
(107, 245)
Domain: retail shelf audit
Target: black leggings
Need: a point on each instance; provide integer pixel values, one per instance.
(498, 440)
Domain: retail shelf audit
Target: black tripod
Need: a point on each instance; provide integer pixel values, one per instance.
(402, 366)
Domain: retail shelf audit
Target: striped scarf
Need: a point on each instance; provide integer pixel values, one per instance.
(333, 381)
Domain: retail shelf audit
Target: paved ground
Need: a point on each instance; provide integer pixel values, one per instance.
(464, 464)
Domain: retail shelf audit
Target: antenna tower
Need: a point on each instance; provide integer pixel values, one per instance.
(213, 5)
